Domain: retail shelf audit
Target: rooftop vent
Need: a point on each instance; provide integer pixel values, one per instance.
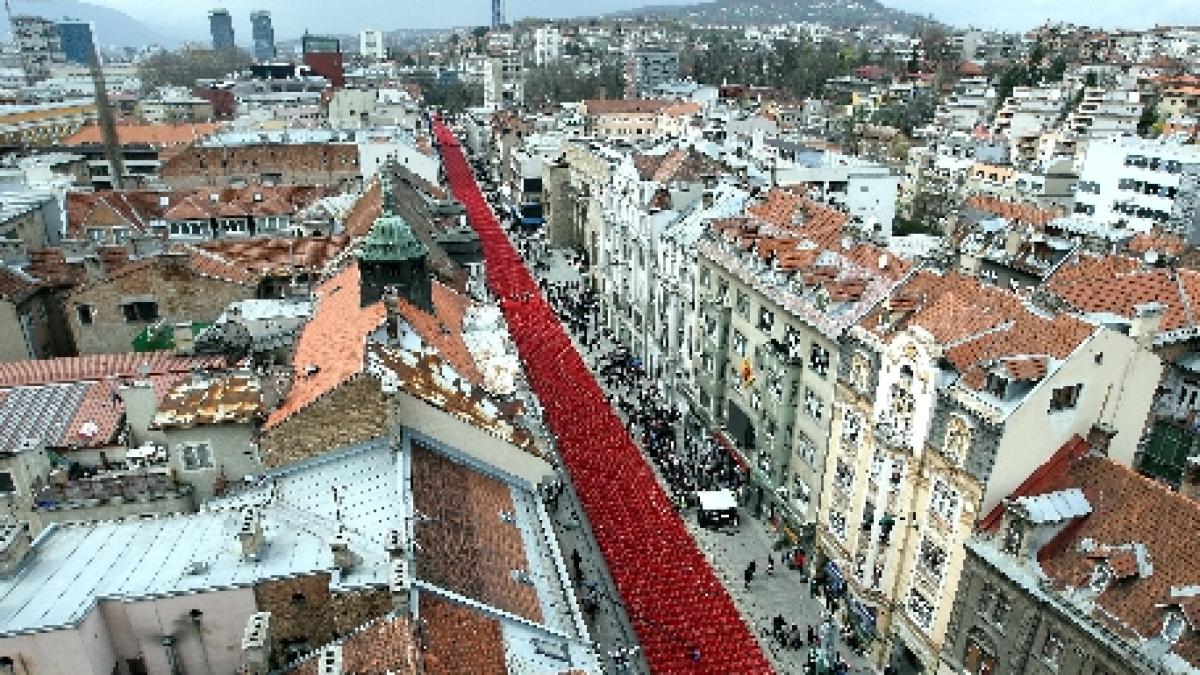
(250, 534)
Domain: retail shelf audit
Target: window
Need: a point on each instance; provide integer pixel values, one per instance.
(806, 449)
(943, 501)
(843, 478)
(1014, 533)
(1101, 577)
(722, 290)
(813, 405)
(958, 439)
(996, 385)
(198, 456)
(1065, 398)
(766, 320)
(1173, 626)
(140, 311)
(705, 276)
(739, 343)
(801, 494)
(920, 608)
(6, 482)
(977, 660)
(818, 360)
(932, 559)
(85, 314)
(851, 428)
(837, 524)
(860, 372)
(1052, 649)
(743, 304)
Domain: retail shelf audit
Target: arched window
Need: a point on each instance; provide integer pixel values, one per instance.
(958, 439)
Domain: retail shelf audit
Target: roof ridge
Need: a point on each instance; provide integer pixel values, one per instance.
(1183, 294)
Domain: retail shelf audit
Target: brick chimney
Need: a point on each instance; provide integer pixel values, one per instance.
(1100, 438)
(15, 543)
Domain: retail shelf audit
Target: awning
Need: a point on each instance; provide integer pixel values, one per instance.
(729, 447)
(834, 580)
(864, 617)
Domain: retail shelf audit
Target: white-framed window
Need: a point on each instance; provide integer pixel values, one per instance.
(801, 494)
(851, 427)
(920, 608)
(766, 320)
(818, 360)
(775, 385)
(739, 343)
(806, 449)
(932, 559)
(837, 524)
(196, 456)
(1065, 398)
(813, 404)
(843, 477)
(860, 372)
(958, 440)
(944, 501)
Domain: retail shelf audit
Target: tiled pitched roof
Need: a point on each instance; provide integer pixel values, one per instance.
(1118, 284)
(463, 544)
(387, 644)
(101, 366)
(235, 399)
(16, 286)
(1161, 242)
(366, 211)
(458, 641)
(158, 135)
(619, 106)
(1128, 509)
(443, 330)
(332, 345)
(254, 160)
(1015, 212)
(275, 256)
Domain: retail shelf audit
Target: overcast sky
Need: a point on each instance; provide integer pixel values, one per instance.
(188, 19)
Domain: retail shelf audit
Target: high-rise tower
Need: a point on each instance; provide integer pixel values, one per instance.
(497, 13)
(264, 36)
(220, 24)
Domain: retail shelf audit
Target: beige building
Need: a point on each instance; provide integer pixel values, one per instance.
(948, 393)
(776, 290)
(634, 119)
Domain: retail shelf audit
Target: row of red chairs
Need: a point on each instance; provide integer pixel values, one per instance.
(684, 618)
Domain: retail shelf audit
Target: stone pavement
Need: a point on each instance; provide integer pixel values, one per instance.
(784, 593)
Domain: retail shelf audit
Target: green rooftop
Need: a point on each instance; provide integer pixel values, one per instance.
(391, 239)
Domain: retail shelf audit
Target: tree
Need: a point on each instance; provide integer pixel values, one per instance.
(452, 96)
(560, 83)
(1148, 122)
(182, 68)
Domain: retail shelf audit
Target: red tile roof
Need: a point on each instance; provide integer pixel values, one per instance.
(1015, 212)
(443, 330)
(15, 286)
(332, 345)
(101, 366)
(158, 135)
(459, 641)
(1118, 284)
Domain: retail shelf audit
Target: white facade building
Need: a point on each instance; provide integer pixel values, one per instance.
(1133, 180)
(547, 45)
(370, 44)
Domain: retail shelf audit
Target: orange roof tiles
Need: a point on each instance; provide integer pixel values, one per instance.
(457, 640)
(1026, 368)
(159, 135)
(331, 348)
(1028, 214)
(100, 366)
(443, 330)
(1161, 242)
(15, 286)
(233, 399)
(1118, 284)
(619, 106)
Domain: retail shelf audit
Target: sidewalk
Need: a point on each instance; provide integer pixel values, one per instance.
(784, 593)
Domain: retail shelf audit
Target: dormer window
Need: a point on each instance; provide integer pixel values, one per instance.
(997, 385)
(1174, 625)
(1014, 533)
(1102, 575)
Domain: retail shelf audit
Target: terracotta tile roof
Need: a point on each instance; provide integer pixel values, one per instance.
(255, 160)
(385, 645)
(1015, 212)
(443, 330)
(619, 106)
(158, 135)
(15, 286)
(1128, 509)
(1041, 480)
(457, 640)
(100, 366)
(1026, 368)
(234, 399)
(50, 266)
(463, 543)
(332, 345)
(680, 164)
(275, 256)
(422, 376)
(1161, 242)
(1118, 284)
(366, 211)
(189, 209)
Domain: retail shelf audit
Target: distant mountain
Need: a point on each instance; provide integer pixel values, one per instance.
(835, 13)
(113, 27)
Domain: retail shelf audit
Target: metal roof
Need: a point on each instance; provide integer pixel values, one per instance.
(1056, 507)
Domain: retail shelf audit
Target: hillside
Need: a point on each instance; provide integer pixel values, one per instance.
(114, 28)
(836, 13)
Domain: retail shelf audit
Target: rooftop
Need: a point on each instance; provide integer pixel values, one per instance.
(230, 399)
(157, 135)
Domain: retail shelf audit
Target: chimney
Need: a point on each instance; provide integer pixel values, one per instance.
(397, 544)
(250, 535)
(1190, 487)
(141, 404)
(400, 586)
(1012, 241)
(13, 252)
(256, 644)
(329, 660)
(1100, 438)
(185, 339)
(343, 558)
(1147, 319)
(15, 543)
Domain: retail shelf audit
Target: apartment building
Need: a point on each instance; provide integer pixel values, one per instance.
(648, 68)
(145, 149)
(547, 45)
(37, 41)
(504, 80)
(1133, 180)
(637, 119)
(777, 287)
(946, 392)
(1104, 113)
(42, 125)
(970, 105)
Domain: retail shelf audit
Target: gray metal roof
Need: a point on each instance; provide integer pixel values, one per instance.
(1056, 507)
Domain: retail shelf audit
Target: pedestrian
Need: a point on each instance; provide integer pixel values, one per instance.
(749, 574)
(770, 564)
(812, 635)
(576, 564)
(777, 625)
